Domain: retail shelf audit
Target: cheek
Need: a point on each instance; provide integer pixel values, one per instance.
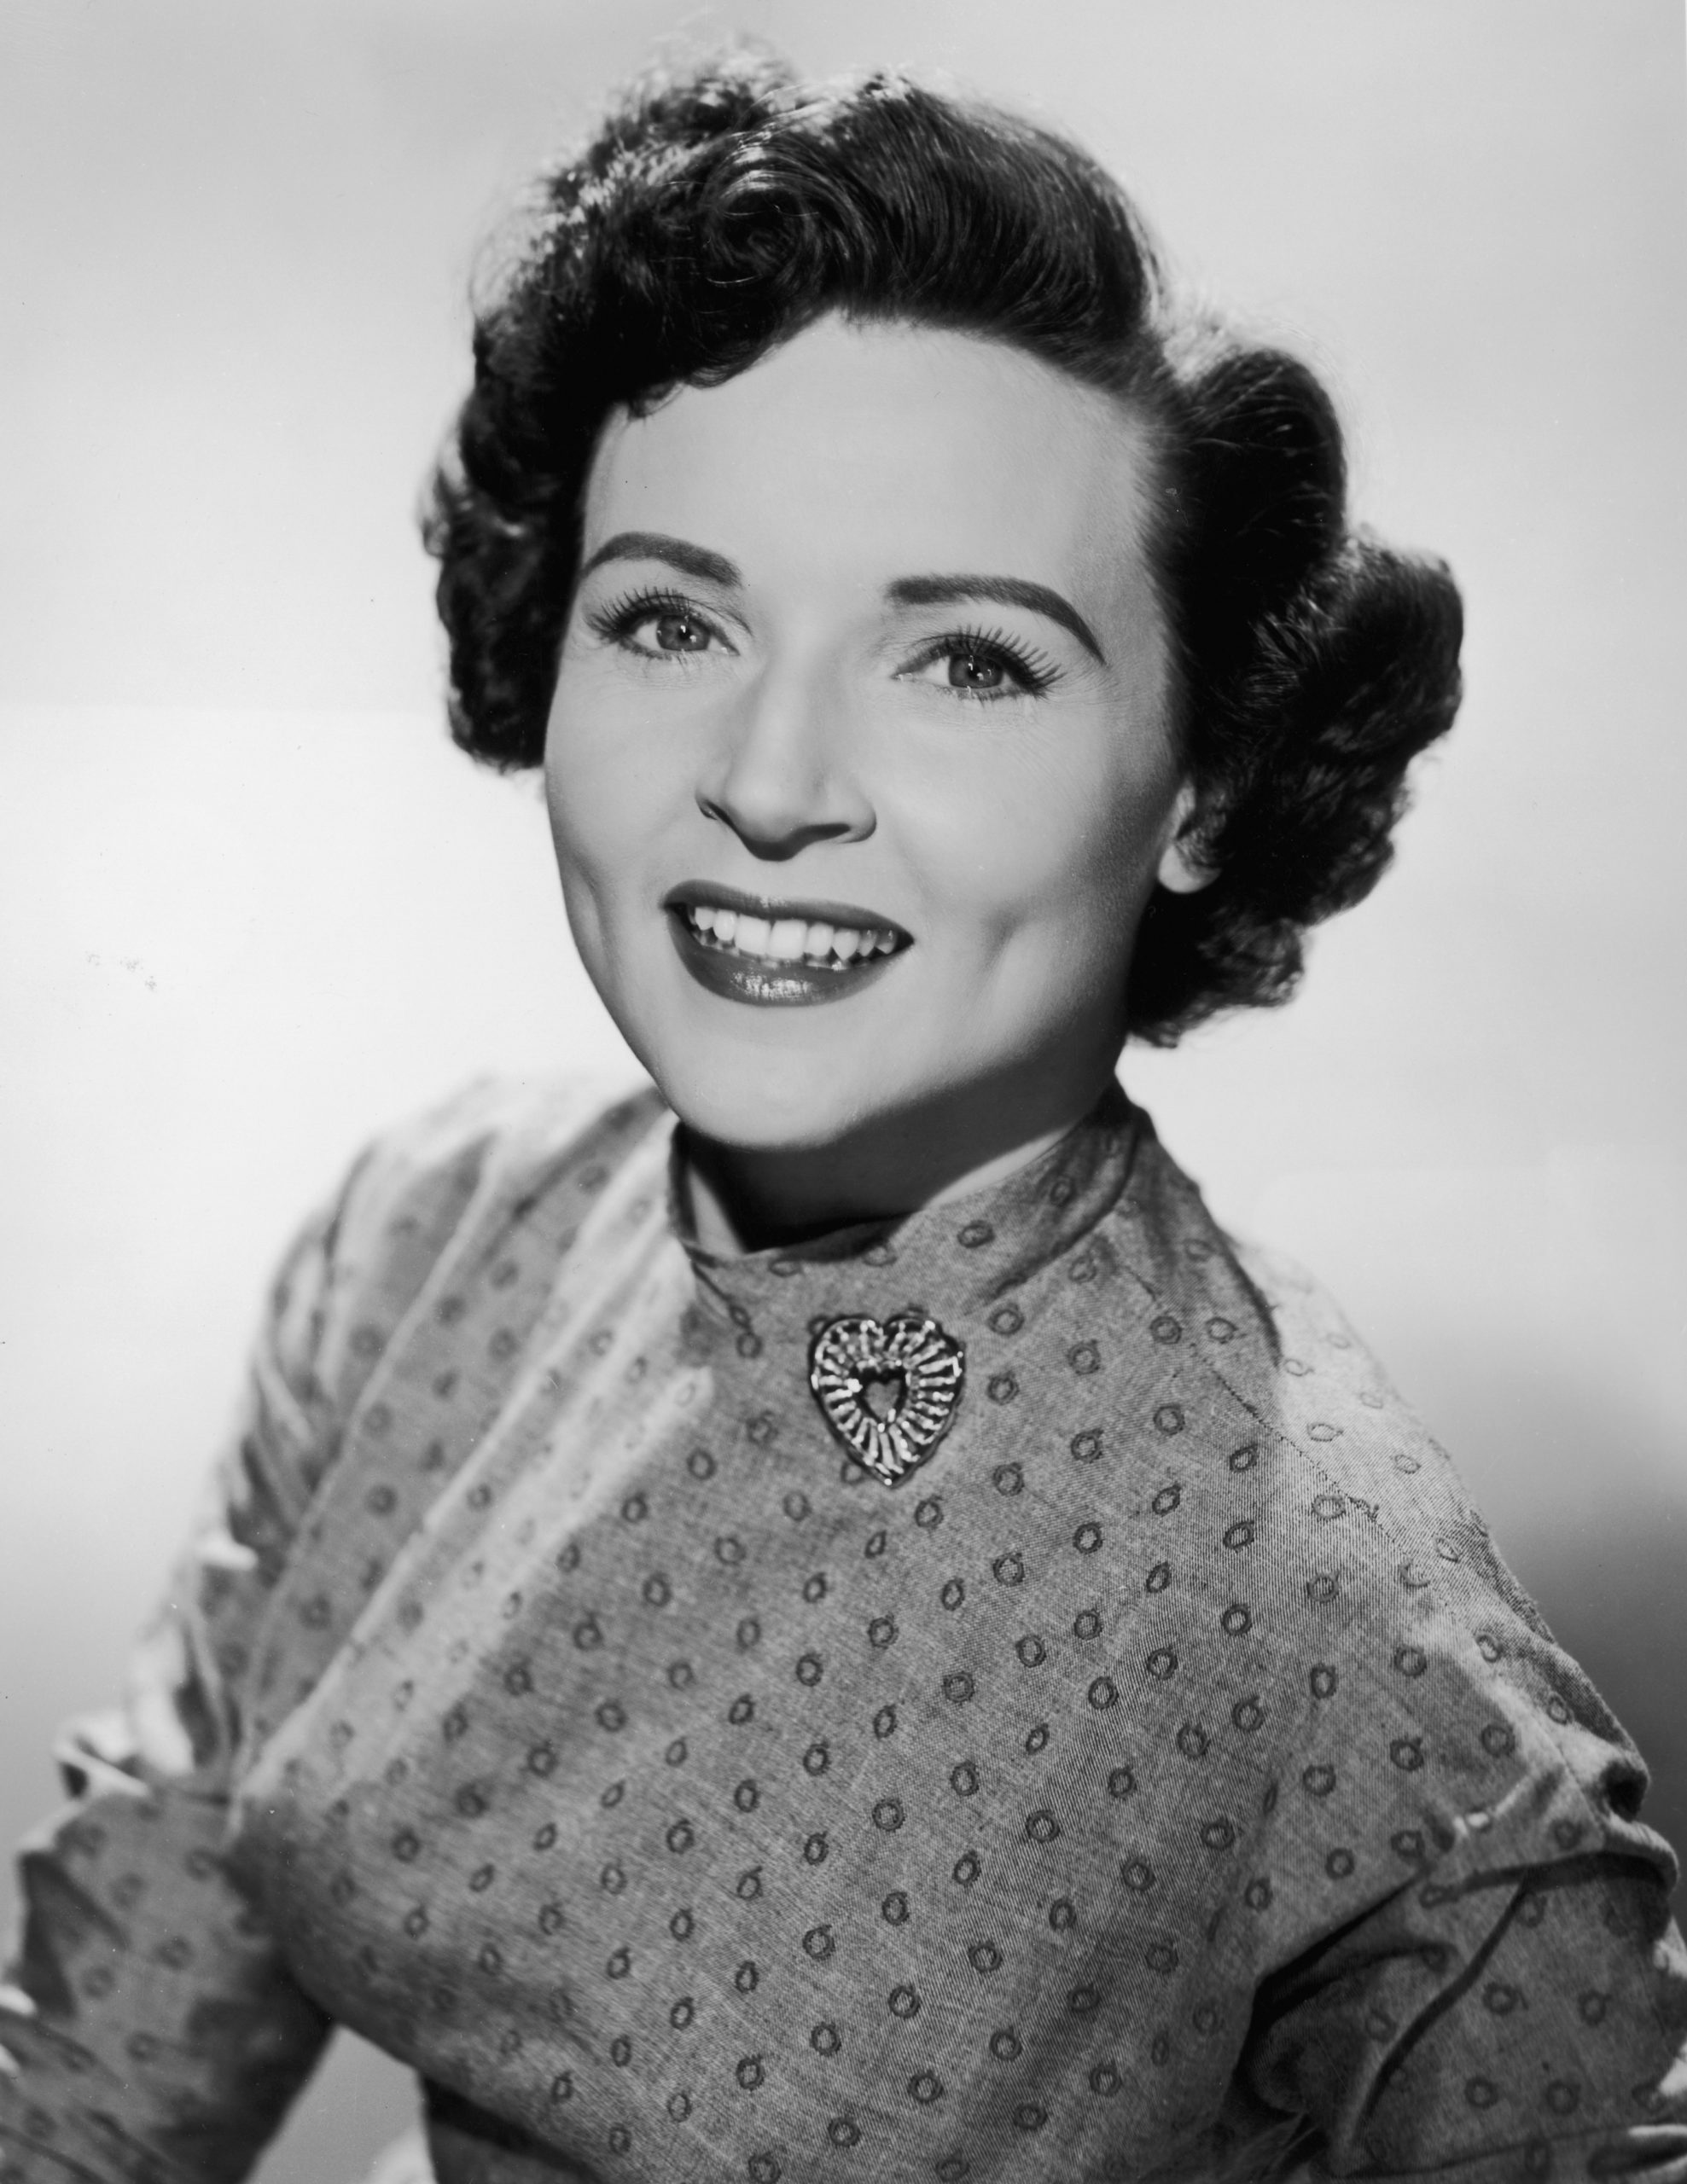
(1048, 854)
(595, 826)
(600, 796)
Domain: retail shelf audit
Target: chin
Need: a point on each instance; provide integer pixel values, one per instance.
(760, 1103)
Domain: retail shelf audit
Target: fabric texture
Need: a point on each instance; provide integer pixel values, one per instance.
(1167, 1779)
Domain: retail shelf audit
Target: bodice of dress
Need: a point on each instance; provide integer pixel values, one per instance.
(1166, 1765)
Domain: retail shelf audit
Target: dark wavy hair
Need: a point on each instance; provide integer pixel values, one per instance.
(719, 210)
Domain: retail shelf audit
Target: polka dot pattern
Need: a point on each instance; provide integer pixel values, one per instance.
(680, 1802)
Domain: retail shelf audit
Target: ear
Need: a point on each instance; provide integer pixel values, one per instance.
(1181, 871)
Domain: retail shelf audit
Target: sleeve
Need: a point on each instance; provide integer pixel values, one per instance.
(1508, 1999)
(150, 2030)
(1517, 2009)
(1532, 2027)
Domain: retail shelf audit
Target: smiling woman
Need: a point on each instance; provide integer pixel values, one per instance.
(827, 1609)
(979, 773)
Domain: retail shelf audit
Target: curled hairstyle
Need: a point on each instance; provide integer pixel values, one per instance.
(719, 211)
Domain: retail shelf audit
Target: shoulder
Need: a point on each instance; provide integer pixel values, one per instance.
(1326, 1570)
(431, 1205)
(1255, 1347)
(498, 1154)
(1266, 1396)
(498, 1137)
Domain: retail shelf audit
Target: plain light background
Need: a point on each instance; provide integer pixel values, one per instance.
(252, 906)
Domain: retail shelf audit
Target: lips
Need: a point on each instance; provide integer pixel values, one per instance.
(778, 954)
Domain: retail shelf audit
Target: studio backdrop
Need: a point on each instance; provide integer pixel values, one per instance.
(253, 906)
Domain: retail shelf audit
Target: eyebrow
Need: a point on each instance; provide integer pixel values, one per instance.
(657, 546)
(1001, 591)
(709, 568)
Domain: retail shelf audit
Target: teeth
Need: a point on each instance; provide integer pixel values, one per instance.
(788, 940)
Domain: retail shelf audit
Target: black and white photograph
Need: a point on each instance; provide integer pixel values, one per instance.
(843, 1114)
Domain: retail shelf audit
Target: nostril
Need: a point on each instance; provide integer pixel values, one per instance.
(779, 779)
(774, 835)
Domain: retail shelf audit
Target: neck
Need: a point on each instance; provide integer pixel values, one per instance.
(748, 1198)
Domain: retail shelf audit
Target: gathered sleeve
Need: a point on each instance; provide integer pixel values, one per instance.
(1533, 2029)
(150, 2027)
(1517, 2009)
(1505, 2000)
(150, 2030)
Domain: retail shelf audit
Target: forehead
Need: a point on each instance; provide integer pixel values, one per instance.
(882, 449)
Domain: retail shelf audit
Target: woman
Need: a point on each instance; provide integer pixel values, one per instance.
(853, 1629)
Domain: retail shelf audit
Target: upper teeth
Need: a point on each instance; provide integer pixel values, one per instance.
(788, 940)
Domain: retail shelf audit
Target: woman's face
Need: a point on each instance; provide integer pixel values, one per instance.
(858, 764)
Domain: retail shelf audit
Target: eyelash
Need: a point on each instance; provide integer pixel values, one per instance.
(1034, 671)
(617, 620)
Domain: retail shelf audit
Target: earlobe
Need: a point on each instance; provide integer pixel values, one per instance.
(1181, 871)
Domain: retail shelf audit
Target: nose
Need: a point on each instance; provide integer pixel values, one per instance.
(785, 772)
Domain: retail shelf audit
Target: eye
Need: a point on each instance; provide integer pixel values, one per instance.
(976, 671)
(657, 625)
(678, 633)
(990, 667)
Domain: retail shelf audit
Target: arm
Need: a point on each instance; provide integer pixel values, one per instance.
(1516, 2008)
(1511, 2000)
(1515, 2026)
(150, 2030)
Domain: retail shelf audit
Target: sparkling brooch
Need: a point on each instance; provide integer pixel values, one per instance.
(888, 1389)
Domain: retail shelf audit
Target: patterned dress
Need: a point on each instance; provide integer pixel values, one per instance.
(1162, 1778)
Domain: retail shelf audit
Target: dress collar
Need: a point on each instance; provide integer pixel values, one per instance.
(954, 1259)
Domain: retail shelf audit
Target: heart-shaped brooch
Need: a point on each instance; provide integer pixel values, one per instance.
(888, 1389)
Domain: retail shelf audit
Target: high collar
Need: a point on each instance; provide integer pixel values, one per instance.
(954, 1259)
